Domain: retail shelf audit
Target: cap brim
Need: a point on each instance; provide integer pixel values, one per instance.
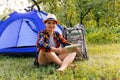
(51, 20)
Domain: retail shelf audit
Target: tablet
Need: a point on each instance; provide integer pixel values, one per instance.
(72, 47)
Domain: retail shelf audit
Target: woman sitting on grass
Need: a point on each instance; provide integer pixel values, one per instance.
(48, 46)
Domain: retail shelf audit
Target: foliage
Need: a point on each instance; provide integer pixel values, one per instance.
(102, 14)
(71, 12)
(103, 64)
(103, 35)
(83, 8)
(9, 6)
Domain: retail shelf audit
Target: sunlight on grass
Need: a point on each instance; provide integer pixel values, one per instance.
(103, 64)
(104, 49)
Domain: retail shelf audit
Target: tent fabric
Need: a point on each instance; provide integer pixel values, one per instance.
(19, 32)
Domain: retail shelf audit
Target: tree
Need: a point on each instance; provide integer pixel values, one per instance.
(83, 7)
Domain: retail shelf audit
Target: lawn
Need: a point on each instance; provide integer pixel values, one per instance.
(103, 64)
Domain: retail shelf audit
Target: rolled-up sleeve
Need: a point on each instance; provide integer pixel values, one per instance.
(63, 40)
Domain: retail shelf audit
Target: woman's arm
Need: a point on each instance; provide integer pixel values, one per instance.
(41, 44)
(63, 40)
(58, 50)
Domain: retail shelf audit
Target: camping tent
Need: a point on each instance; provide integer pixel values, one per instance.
(18, 33)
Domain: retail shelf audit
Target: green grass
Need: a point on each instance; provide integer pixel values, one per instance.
(103, 64)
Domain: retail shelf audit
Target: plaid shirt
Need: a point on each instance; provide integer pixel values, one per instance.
(43, 42)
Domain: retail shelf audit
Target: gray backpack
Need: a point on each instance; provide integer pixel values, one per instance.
(76, 35)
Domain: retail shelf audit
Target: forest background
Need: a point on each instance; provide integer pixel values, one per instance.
(101, 18)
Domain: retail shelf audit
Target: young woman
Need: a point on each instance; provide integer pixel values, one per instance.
(48, 45)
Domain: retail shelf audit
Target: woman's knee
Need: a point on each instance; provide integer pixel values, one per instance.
(52, 56)
(42, 58)
(74, 53)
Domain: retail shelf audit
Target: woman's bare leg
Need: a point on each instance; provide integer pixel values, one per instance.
(62, 56)
(67, 61)
(54, 58)
(42, 60)
(62, 59)
(47, 57)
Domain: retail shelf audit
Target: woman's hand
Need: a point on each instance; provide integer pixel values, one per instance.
(59, 50)
(64, 50)
(76, 49)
